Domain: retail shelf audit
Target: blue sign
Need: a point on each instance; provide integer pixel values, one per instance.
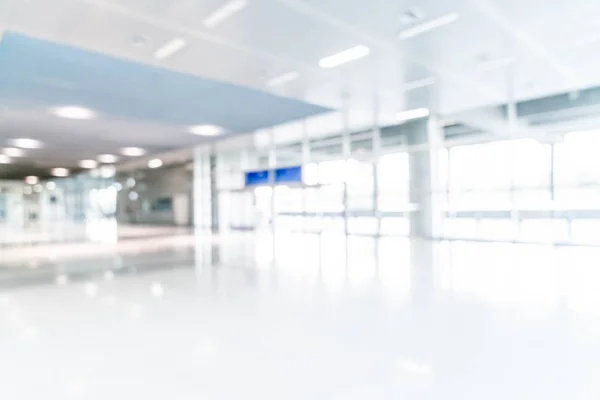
(257, 178)
(288, 175)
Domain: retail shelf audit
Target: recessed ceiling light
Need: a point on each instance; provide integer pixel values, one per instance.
(427, 26)
(224, 12)
(13, 152)
(73, 112)
(60, 172)
(285, 78)
(4, 159)
(206, 130)
(170, 48)
(133, 151)
(155, 163)
(27, 190)
(107, 171)
(88, 164)
(344, 57)
(50, 185)
(412, 114)
(38, 188)
(32, 180)
(108, 158)
(130, 182)
(26, 143)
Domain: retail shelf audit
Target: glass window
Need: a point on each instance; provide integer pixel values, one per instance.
(326, 148)
(332, 171)
(361, 142)
(289, 154)
(576, 160)
(481, 166)
(394, 182)
(360, 185)
(531, 163)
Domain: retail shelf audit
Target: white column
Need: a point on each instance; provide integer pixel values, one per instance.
(427, 136)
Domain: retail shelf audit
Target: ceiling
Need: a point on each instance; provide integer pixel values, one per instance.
(495, 52)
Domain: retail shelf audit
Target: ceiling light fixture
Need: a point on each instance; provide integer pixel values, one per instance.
(32, 180)
(427, 26)
(412, 114)
(13, 152)
(73, 112)
(418, 84)
(4, 159)
(108, 171)
(88, 164)
(285, 78)
(344, 57)
(108, 158)
(224, 12)
(206, 130)
(133, 151)
(155, 163)
(50, 185)
(170, 48)
(60, 172)
(26, 143)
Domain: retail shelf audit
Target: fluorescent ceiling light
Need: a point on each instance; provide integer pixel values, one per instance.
(170, 48)
(427, 26)
(32, 180)
(206, 130)
(60, 172)
(133, 151)
(412, 114)
(26, 143)
(4, 159)
(344, 57)
(108, 158)
(155, 163)
(222, 13)
(88, 164)
(73, 112)
(285, 78)
(418, 84)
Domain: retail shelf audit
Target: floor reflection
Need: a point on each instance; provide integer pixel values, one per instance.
(305, 316)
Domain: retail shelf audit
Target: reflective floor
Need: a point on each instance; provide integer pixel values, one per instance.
(303, 317)
(90, 231)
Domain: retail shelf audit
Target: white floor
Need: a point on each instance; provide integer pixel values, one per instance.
(318, 318)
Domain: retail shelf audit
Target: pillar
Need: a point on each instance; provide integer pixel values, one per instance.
(425, 138)
(203, 189)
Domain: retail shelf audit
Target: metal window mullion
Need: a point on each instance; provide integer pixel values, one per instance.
(376, 156)
(346, 149)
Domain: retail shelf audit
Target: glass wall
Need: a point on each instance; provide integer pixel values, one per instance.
(525, 190)
(519, 190)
